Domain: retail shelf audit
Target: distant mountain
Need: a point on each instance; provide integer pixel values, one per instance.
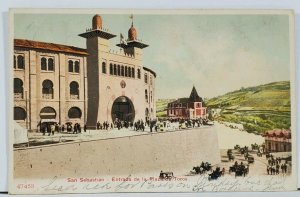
(258, 108)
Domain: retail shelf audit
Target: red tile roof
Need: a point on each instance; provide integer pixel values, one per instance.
(282, 133)
(49, 46)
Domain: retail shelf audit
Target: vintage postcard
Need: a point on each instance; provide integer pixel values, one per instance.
(152, 101)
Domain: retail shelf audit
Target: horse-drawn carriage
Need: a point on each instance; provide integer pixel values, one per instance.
(237, 147)
(204, 167)
(215, 174)
(166, 175)
(250, 159)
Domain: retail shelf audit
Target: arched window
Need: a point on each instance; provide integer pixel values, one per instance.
(115, 69)
(104, 67)
(50, 64)
(111, 69)
(19, 113)
(151, 96)
(132, 72)
(119, 70)
(126, 71)
(151, 80)
(18, 88)
(21, 62)
(15, 61)
(146, 96)
(146, 78)
(122, 71)
(129, 72)
(77, 67)
(47, 113)
(47, 90)
(74, 112)
(43, 63)
(74, 90)
(147, 112)
(139, 73)
(70, 66)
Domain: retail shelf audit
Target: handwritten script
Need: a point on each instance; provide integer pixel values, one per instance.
(195, 184)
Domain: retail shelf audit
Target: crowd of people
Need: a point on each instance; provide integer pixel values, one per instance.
(153, 125)
(275, 164)
(240, 169)
(52, 128)
(187, 122)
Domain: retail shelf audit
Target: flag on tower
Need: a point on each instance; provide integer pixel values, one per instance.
(122, 39)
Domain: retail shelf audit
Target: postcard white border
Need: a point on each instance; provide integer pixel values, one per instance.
(166, 12)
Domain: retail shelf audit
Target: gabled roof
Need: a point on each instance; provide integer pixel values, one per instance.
(49, 46)
(181, 100)
(194, 97)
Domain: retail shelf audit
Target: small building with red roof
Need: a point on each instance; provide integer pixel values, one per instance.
(278, 140)
(187, 108)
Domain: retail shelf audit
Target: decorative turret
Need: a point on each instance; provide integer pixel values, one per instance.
(132, 33)
(97, 30)
(97, 22)
(132, 46)
(132, 41)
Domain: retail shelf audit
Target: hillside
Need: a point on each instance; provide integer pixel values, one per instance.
(161, 107)
(274, 96)
(258, 108)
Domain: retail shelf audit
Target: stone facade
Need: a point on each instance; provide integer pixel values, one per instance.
(59, 83)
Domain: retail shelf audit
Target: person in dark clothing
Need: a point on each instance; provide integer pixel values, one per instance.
(79, 128)
(75, 129)
(151, 126)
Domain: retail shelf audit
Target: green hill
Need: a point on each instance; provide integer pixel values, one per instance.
(258, 108)
(161, 107)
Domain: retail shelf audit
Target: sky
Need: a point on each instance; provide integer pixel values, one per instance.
(215, 53)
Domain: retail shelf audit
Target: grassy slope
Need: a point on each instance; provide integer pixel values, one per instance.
(274, 96)
(258, 108)
(161, 107)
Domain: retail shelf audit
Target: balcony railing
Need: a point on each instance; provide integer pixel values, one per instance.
(74, 96)
(47, 96)
(18, 95)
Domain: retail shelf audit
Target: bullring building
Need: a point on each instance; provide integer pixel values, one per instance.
(55, 83)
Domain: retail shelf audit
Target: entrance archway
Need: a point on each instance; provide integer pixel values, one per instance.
(123, 109)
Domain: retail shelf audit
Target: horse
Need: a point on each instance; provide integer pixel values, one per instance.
(215, 174)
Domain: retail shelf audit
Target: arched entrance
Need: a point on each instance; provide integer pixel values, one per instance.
(48, 117)
(123, 109)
